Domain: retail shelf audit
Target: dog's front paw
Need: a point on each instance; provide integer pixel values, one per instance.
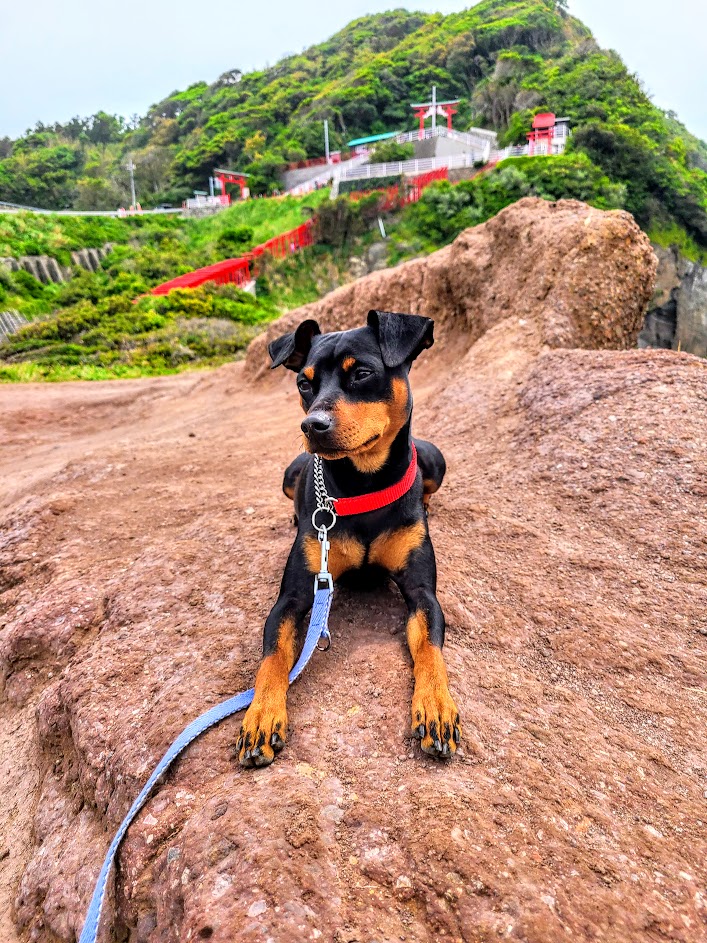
(435, 718)
(262, 734)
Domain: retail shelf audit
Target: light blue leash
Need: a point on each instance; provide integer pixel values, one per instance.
(318, 631)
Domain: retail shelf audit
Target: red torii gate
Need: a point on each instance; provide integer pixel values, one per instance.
(431, 109)
(232, 176)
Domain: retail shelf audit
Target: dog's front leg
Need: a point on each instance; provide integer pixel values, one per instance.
(435, 718)
(264, 728)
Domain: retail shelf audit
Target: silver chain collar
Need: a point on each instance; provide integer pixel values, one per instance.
(324, 501)
(325, 504)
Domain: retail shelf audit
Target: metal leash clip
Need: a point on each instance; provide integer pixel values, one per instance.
(325, 504)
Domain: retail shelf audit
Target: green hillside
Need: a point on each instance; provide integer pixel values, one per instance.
(103, 324)
(505, 59)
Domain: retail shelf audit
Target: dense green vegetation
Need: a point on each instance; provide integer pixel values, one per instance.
(444, 210)
(57, 236)
(506, 59)
(91, 326)
(93, 338)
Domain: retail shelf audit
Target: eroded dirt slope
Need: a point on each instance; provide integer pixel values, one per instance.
(143, 537)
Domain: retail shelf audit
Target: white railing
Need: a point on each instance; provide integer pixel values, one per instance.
(330, 173)
(474, 137)
(19, 208)
(416, 166)
(517, 150)
(452, 161)
(523, 150)
(207, 202)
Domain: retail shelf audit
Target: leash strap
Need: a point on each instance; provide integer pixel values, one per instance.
(318, 631)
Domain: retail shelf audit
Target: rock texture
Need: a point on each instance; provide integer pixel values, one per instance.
(691, 330)
(677, 313)
(583, 276)
(143, 537)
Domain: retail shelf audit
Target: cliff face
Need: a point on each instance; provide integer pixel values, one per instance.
(677, 313)
(143, 538)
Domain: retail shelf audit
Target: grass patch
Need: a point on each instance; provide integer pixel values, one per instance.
(674, 236)
(89, 327)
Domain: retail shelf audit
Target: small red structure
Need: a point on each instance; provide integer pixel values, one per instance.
(334, 158)
(540, 138)
(232, 176)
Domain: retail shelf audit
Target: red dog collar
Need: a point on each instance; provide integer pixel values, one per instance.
(378, 499)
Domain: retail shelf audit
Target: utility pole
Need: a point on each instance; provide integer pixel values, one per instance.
(326, 140)
(131, 168)
(434, 107)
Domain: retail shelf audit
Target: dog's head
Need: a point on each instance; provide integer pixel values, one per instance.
(354, 384)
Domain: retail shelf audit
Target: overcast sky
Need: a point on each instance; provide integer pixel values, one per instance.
(59, 59)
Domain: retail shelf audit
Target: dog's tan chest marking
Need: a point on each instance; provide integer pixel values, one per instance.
(346, 553)
(392, 548)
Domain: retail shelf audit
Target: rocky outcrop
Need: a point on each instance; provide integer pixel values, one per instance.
(531, 259)
(691, 305)
(142, 540)
(43, 267)
(677, 313)
(90, 259)
(375, 259)
(10, 321)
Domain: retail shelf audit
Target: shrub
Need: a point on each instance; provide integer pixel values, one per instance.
(27, 285)
(389, 152)
(444, 210)
(234, 241)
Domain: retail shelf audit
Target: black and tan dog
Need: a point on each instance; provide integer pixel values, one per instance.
(355, 392)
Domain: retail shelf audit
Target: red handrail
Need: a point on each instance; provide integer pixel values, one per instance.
(238, 271)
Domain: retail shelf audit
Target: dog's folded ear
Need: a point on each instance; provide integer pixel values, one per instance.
(401, 336)
(291, 349)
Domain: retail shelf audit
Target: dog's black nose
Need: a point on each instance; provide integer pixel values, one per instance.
(317, 424)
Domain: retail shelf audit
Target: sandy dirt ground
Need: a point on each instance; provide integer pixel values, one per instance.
(142, 536)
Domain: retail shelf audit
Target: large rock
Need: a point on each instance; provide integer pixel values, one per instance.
(582, 275)
(143, 537)
(691, 330)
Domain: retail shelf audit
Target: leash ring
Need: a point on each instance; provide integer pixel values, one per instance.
(327, 510)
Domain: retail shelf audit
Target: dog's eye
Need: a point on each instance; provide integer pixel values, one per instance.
(304, 386)
(361, 373)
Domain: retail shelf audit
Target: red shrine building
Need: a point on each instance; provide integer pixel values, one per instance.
(548, 135)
